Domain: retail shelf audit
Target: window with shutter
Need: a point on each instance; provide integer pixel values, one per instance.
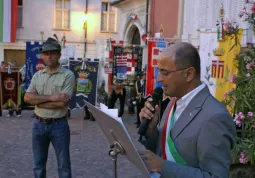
(108, 18)
(62, 14)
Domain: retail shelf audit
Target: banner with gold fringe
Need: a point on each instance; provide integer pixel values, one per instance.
(9, 90)
(218, 65)
(231, 47)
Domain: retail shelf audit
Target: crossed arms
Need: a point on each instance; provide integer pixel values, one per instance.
(57, 100)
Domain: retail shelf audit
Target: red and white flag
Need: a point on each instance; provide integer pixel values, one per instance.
(155, 56)
(131, 64)
(121, 60)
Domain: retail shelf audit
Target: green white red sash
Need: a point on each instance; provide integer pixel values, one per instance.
(169, 151)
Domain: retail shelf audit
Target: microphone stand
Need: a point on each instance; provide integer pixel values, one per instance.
(115, 150)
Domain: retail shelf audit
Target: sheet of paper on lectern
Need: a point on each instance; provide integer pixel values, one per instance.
(111, 112)
(114, 114)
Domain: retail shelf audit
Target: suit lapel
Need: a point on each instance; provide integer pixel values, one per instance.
(190, 112)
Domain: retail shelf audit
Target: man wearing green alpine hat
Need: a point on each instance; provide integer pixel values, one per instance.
(50, 91)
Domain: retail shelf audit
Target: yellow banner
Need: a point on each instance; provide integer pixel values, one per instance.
(228, 49)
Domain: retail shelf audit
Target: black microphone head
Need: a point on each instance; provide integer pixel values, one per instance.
(157, 95)
(158, 91)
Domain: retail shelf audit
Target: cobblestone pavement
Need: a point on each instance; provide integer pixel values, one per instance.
(89, 149)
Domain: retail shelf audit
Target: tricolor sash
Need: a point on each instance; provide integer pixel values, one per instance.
(169, 151)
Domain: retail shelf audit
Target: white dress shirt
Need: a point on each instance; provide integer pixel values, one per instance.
(183, 102)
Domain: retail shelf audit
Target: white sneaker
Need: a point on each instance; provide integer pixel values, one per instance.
(19, 115)
(8, 115)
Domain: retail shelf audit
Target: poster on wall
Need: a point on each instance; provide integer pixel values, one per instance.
(86, 76)
(127, 63)
(10, 90)
(34, 61)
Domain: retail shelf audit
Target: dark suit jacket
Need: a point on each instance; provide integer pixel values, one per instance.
(203, 136)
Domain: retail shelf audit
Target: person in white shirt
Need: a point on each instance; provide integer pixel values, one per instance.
(196, 133)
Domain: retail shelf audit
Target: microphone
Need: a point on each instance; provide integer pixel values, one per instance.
(157, 96)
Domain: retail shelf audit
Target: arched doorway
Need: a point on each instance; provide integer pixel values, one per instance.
(136, 40)
(133, 36)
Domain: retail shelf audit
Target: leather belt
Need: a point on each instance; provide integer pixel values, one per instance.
(49, 120)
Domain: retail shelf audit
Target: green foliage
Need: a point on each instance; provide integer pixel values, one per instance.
(242, 102)
(232, 30)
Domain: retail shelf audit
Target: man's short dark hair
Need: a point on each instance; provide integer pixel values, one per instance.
(186, 55)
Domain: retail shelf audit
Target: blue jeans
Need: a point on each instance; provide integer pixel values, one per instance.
(58, 134)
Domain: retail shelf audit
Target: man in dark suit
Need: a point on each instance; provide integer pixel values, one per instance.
(118, 92)
(196, 133)
(140, 93)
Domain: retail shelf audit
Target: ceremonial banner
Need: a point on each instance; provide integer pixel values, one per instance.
(127, 63)
(208, 42)
(150, 70)
(155, 47)
(218, 62)
(227, 51)
(33, 61)
(109, 57)
(91, 77)
(10, 90)
(86, 76)
(74, 66)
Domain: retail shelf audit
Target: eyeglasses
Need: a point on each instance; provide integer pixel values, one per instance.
(165, 72)
(50, 53)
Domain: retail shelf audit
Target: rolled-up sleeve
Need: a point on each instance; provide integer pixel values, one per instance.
(32, 86)
(68, 86)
